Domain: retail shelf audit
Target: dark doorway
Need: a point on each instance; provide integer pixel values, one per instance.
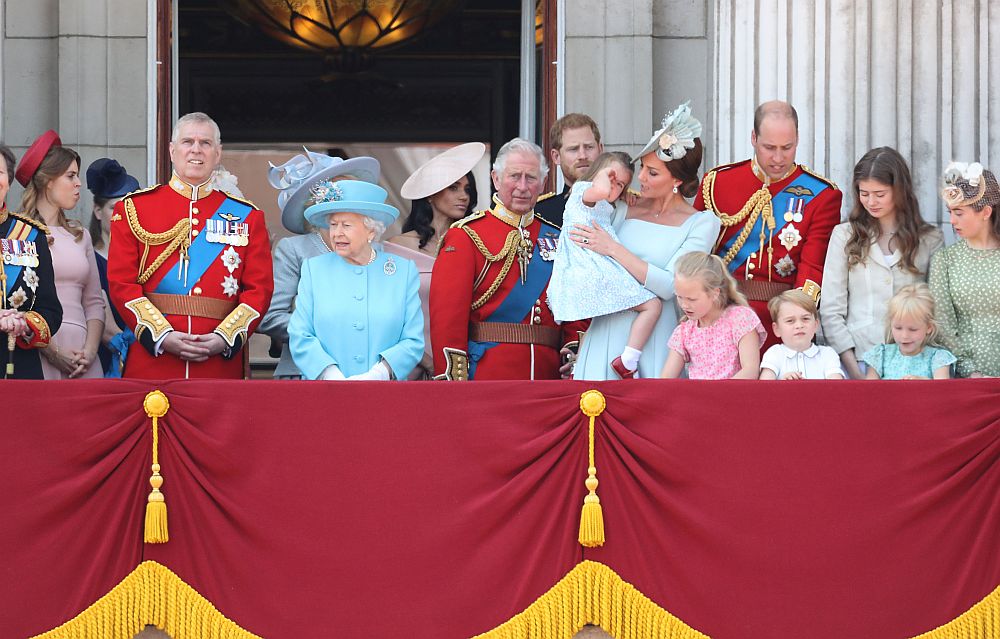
(458, 81)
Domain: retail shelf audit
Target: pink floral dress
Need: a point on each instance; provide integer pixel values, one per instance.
(712, 352)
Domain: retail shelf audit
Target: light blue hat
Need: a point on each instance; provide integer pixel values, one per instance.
(349, 196)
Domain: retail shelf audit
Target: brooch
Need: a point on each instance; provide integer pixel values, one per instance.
(389, 268)
(785, 266)
(231, 259)
(790, 237)
(230, 286)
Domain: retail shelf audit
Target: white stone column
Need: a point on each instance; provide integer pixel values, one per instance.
(79, 68)
(609, 71)
(918, 75)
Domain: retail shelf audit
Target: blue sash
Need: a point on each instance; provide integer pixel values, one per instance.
(13, 271)
(779, 204)
(201, 253)
(519, 301)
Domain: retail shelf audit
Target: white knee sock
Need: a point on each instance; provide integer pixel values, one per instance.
(630, 358)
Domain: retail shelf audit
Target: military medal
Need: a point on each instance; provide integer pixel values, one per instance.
(19, 252)
(547, 247)
(227, 232)
(389, 268)
(794, 212)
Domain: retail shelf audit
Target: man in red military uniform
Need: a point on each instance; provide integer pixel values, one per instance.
(189, 267)
(489, 313)
(777, 216)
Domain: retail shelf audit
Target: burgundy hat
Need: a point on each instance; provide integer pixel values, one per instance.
(33, 157)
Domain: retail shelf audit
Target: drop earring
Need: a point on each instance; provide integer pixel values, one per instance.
(675, 189)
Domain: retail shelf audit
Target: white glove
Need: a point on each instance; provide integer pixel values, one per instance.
(332, 373)
(377, 373)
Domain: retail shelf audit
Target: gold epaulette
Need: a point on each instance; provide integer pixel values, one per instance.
(471, 217)
(145, 190)
(723, 167)
(239, 199)
(549, 222)
(806, 169)
(545, 196)
(28, 220)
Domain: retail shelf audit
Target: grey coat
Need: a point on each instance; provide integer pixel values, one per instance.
(289, 253)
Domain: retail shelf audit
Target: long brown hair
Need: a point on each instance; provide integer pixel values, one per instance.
(55, 163)
(886, 166)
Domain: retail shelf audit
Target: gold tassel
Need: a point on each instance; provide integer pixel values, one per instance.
(592, 404)
(155, 532)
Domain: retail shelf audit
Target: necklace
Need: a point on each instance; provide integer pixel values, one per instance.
(372, 258)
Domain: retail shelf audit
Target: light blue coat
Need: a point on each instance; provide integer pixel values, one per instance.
(352, 315)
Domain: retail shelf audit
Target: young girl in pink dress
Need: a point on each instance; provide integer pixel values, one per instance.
(719, 336)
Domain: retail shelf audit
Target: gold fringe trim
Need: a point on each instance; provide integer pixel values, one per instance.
(594, 594)
(150, 595)
(982, 621)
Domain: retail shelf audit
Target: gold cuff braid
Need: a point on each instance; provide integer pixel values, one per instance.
(236, 323)
(148, 317)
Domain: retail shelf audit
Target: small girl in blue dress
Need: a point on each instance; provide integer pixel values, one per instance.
(585, 284)
(911, 331)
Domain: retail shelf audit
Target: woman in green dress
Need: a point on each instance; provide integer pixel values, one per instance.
(965, 277)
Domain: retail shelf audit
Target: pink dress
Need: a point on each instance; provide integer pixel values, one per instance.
(712, 352)
(79, 289)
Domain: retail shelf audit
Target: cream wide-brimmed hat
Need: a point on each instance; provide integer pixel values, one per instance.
(442, 170)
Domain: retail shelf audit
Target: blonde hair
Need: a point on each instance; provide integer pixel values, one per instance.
(56, 162)
(916, 302)
(794, 296)
(711, 271)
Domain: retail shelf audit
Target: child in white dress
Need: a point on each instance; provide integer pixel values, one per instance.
(585, 284)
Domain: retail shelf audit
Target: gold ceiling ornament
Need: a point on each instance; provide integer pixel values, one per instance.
(343, 26)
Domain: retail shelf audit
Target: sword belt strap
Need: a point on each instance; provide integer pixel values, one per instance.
(761, 291)
(209, 307)
(507, 333)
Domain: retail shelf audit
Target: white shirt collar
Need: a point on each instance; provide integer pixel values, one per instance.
(812, 351)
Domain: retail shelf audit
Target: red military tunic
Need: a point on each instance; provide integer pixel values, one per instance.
(484, 322)
(789, 255)
(228, 298)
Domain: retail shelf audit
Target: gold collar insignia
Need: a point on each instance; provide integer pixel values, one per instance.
(518, 221)
(762, 176)
(193, 193)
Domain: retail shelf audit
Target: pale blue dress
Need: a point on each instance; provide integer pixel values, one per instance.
(586, 284)
(659, 246)
(889, 363)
